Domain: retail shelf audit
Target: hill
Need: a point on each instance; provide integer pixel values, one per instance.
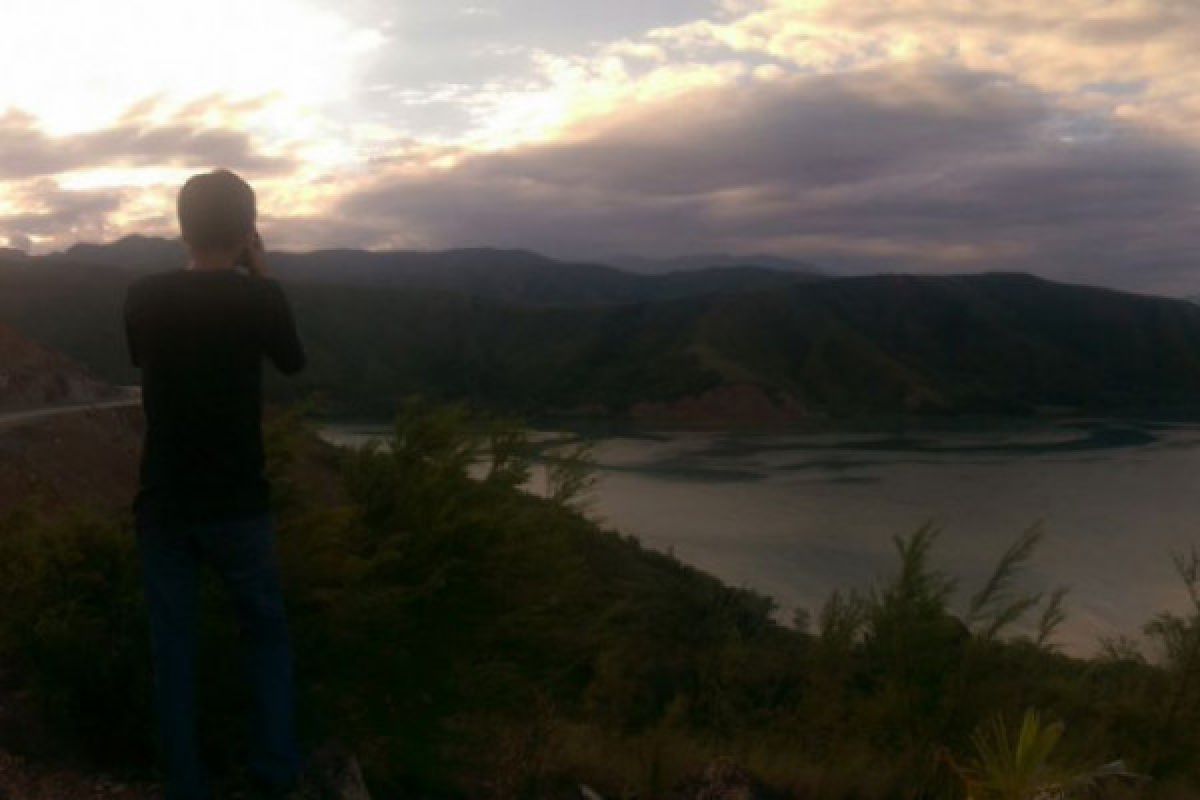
(79, 457)
(835, 349)
(31, 376)
(713, 347)
(992, 343)
(84, 458)
(467, 639)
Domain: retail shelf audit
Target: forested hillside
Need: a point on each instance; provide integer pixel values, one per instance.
(519, 333)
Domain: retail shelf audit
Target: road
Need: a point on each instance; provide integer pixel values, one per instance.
(14, 419)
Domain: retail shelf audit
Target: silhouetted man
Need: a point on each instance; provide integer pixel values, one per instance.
(200, 335)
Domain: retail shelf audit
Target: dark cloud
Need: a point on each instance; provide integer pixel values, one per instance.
(54, 211)
(27, 151)
(831, 131)
(895, 169)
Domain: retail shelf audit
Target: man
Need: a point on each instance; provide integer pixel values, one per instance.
(200, 335)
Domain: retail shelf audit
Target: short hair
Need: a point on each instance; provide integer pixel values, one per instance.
(216, 210)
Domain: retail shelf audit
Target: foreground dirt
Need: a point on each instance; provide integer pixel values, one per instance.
(20, 780)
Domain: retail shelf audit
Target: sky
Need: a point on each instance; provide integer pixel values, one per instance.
(1060, 138)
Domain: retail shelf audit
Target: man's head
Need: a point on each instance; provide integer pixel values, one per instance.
(216, 212)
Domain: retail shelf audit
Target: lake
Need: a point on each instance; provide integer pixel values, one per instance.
(796, 516)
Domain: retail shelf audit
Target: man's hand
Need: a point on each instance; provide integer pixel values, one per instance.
(256, 256)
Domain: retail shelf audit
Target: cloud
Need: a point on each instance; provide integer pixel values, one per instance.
(916, 168)
(27, 151)
(1136, 59)
(46, 211)
(58, 189)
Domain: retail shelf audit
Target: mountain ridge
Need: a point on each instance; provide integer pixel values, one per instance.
(758, 348)
(656, 266)
(521, 277)
(840, 349)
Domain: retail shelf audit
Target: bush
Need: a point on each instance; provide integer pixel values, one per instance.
(74, 628)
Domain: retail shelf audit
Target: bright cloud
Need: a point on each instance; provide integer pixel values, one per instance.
(77, 64)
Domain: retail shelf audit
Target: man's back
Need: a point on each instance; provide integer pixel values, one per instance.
(200, 337)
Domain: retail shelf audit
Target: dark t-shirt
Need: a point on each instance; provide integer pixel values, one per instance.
(200, 337)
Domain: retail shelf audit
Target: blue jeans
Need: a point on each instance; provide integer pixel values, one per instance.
(242, 553)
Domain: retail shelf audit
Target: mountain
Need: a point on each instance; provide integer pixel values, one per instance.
(724, 346)
(658, 266)
(834, 349)
(130, 251)
(996, 342)
(515, 277)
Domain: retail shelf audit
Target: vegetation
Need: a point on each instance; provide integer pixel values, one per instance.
(1022, 765)
(467, 639)
(1016, 768)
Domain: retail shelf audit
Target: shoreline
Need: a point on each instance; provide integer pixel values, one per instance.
(615, 426)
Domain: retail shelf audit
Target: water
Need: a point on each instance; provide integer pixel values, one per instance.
(797, 516)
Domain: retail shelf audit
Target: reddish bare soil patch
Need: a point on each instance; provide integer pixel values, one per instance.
(33, 376)
(740, 404)
(87, 457)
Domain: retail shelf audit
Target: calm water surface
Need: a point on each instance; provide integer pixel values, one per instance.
(797, 516)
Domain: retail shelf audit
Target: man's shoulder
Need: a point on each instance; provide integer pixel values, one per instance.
(148, 284)
(269, 285)
(181, 279)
